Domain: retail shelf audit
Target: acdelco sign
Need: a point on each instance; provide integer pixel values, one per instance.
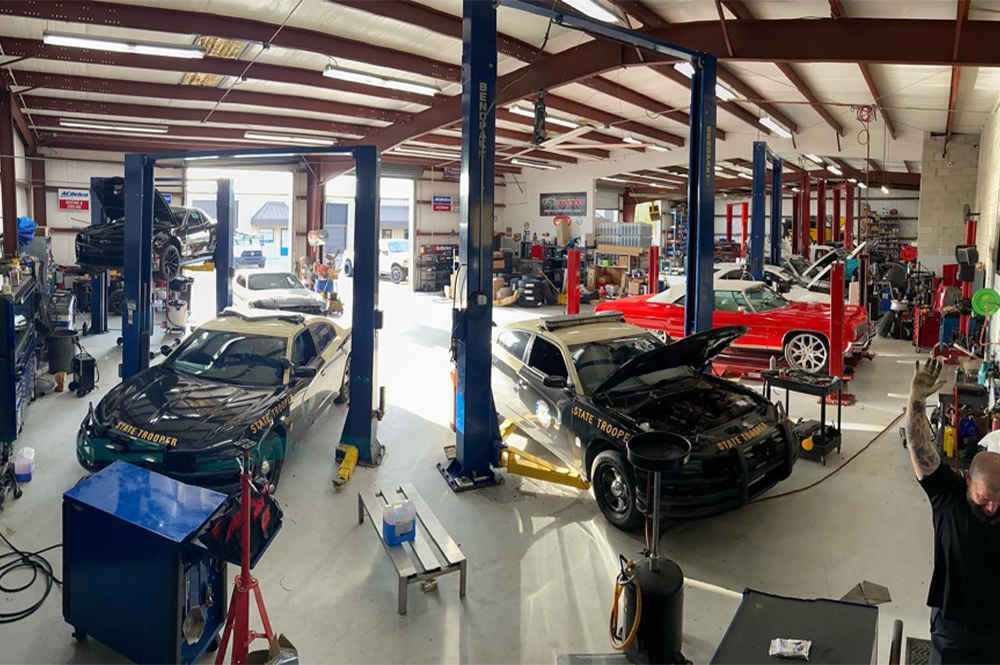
(74, 199)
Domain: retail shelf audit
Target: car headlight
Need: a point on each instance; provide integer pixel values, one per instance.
(251, 304)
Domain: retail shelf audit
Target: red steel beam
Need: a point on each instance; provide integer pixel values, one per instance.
(961, 16)
(725, 29)
(276, 122)
(576, 108)
(15, 46)
(38, 205)
(628, 96)
(730, 107)
(638, 10)
(177, 21)
(107, 86)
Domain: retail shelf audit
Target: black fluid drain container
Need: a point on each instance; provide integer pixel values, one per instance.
(62, 348)
(660, 580)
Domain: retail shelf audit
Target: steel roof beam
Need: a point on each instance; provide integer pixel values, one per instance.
(961, 16)
(576, 108)
(177, 21)
(638, 10)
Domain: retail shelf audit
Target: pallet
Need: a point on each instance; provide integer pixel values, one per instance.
(431, 554)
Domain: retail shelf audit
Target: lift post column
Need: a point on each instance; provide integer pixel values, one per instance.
(835, 231)
(821, 212)
(806, 212)
(361, 428)
(98, 282)
(755, 263)
(777, 175)
(744, 228)
(849, 218)
(573, 280)
(796, 220)
(477, 439)
(224, 207)
(654, 273)
(137, 308)
(700, 296)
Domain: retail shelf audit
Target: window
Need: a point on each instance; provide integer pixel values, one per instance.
(194, 218)
(303, 349)
(267, 234)
(764, 300)
(732, 274)
(231, 357)
(274, 280)
(386, 233)
(728, 301)
(547, 359)
(513, 342)
(241, 281)
(324, 335)
(397, 246)
(596, 361)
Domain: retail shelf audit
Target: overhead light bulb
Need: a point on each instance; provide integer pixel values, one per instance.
(593, 9)
(122, 46)
(288, 138)
(775, 127)
(354, 76)
(885, 190)
(796, 190)
(834, 170)
(533, 165)
(814, 158)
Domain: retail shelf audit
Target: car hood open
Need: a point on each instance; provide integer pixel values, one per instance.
(110, 192)
(693, 351)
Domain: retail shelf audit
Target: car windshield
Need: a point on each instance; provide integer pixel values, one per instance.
(764, 299)
(232, 357)
(596, 361)
(274, 280)
(399, 246)
(798, 263)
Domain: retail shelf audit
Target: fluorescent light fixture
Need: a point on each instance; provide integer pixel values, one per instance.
(721, 91)
(354, 76)
(198, 159)
(885, 190)
(745, 176)
(427, 153)
(814, 158)
(277, 154)
(112, 126)
(533, 165)
(530, 113)
(775, 127)
(862, 185)
(658, 148)
(834, 170)
(615, 180)
(854, 180)
(287, 138)
(593, 9)
(122, 46)
(633, 141)
(796, 190)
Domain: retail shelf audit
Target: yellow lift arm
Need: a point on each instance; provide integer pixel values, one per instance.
(520, 463)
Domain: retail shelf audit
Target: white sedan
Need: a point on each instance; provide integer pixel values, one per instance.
(276, 290)
(777, 278)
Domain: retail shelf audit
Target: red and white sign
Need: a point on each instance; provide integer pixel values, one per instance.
(74, 199)
(442, 203)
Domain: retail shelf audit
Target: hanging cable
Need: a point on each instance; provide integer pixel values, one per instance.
(40, 568)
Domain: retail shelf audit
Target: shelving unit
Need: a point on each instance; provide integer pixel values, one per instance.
(435, 266)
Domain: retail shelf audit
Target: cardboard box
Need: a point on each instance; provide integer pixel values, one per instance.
(498, 264)
(497, 285)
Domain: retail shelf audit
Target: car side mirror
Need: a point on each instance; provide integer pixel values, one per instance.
(554, 381)
(304, 372)
(741, 309)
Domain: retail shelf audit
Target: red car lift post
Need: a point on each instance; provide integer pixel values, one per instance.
(849, 218)
(837, 334)
(744, 228)
(654, 273)
(573, 279)
(835, 231)
(821, 212)
(806, 212)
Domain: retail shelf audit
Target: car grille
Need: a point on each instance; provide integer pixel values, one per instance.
(305, 309)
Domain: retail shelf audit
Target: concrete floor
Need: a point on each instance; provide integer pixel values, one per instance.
(542, 559)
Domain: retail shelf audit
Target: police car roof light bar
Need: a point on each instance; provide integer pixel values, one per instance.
(573, 320)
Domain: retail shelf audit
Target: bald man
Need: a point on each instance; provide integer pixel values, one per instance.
(964, 594)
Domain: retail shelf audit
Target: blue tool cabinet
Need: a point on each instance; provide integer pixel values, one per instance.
(132, 570)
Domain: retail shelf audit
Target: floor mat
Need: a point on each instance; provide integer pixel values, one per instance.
(918, 652)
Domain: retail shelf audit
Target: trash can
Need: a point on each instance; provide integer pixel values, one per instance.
(62, 348)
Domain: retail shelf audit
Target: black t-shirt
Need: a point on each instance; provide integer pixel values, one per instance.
(966, 581)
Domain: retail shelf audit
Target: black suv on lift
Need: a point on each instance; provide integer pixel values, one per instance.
(181, 235)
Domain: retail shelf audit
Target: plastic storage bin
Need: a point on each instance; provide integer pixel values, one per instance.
(399, 522)
(24, 465)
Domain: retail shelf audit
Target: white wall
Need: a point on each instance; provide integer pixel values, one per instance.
(947, 184)
(988, 197)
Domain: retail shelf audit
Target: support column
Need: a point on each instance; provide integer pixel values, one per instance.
(314, 208)
(729, 222)
(38, 205)
(777, 184)
(755, 264)
(806, 216)
(137, 318)
(744, 228)
(477, 440)
(700, 297)
(8, 182)
(573, 279)
(821, 212)
(835, 231)
(849, 220)
(361, 428)
(654, 272)
(225, 224)
(796, 221)
(628, 208)
(98, 281)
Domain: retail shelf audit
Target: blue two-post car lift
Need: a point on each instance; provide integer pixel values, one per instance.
(755, 262)
(477, 450)
(360, 430)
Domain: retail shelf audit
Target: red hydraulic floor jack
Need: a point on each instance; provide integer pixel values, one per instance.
(238, 621)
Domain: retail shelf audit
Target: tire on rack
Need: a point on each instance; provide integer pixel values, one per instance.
(613, 482)
(807, 351)
(169, 266)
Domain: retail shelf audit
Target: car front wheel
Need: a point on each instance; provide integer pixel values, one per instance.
(170, 263)
(397, 274)
(344, 396)
(613, 482)
(270, 458)
(807, 352)
(348, 269)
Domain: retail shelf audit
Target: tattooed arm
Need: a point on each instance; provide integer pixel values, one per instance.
(923, 450)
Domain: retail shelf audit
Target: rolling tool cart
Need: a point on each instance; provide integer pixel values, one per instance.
(816, 438)
(134, 577)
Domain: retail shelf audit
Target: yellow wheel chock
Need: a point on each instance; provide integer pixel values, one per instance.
(348, 456)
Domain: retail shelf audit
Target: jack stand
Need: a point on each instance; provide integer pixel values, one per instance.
(658, 603)
(348, 458)
(238, 620)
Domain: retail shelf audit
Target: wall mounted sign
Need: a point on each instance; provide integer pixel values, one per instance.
(573, 204)
(443, 203)
(74, 199)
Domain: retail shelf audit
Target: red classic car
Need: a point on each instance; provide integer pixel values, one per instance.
(798, 330)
